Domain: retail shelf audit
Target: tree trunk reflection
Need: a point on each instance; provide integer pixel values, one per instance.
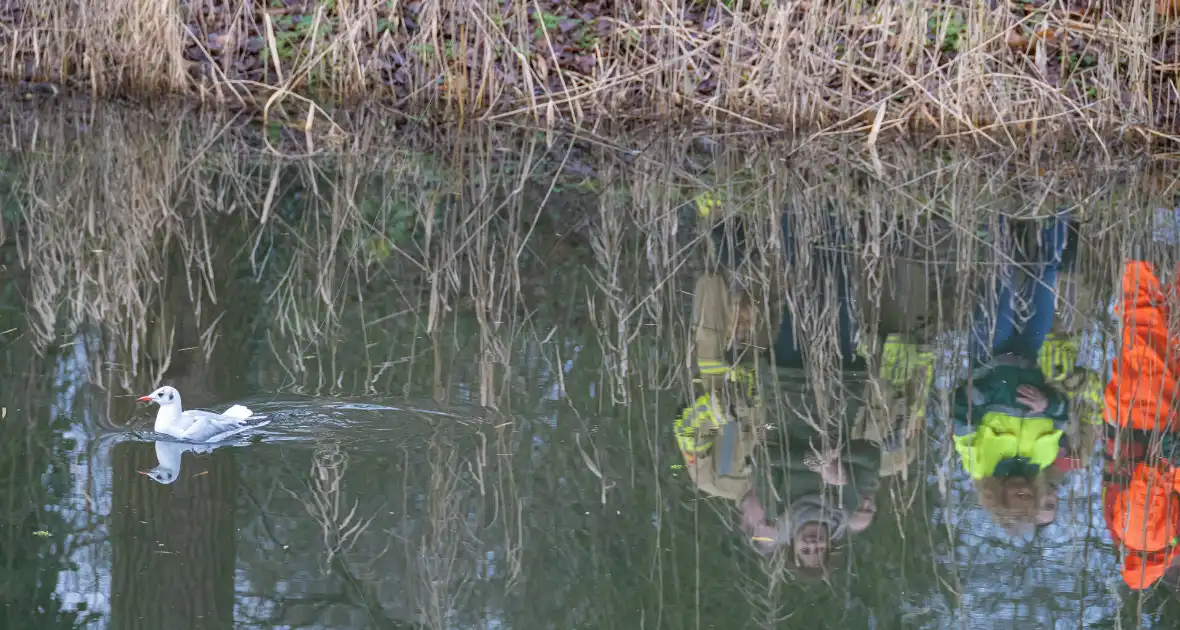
(173, 545)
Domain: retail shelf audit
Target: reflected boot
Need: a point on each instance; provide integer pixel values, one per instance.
(1054, 241)
(729, 242)
(727, 230)
(1051, 242)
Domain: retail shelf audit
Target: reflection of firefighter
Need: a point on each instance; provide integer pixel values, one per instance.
(814, 496)
(717, 434)
(825, 470)
(1141, 488)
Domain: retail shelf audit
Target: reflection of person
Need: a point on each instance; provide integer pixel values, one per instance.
(818, 470)
(804, 486)
(1141, 485)
(815, 501)
(717, 434)
(896, 404)
(1009, 418)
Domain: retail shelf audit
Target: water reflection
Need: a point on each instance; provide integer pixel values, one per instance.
(476, 358)
(803, 480)
(169, 458)
(1009, 419)
(174, 546)
(1141, 492)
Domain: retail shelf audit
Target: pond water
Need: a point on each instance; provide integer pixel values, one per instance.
(473, 350)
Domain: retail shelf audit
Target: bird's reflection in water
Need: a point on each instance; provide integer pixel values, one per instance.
(169, 457)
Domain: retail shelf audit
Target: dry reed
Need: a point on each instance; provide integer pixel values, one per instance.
(863, 67)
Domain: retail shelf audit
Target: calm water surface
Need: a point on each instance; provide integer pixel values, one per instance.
(473, 351)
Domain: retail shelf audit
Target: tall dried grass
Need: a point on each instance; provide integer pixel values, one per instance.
(864, 67)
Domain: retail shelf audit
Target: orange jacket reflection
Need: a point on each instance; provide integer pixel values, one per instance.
(1141, 491)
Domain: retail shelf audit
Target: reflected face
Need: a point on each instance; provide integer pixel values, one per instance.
(160, 475)
(812, 544)
(1019, 495)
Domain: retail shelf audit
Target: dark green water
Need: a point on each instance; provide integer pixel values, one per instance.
(475, 350)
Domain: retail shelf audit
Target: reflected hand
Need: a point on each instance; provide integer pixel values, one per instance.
(1032, 398)
(745, 321)
(764, 535)
(833, 473)
(752, 512)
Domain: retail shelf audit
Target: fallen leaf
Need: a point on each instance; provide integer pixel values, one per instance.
(217, 41)
(1016, 41)
(1048, 34)
(584, 63)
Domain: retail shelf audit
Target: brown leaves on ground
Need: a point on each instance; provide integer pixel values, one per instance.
(228, 40)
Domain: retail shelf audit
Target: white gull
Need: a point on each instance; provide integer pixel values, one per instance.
(193, 424)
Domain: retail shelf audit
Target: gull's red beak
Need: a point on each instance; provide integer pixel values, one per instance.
(141, 472)
(144, 399)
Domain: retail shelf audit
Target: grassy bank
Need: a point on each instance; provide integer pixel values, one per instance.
(860, 65)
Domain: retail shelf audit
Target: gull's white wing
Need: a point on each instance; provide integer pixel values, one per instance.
(237, 411)
(234, 429)
(208, 426)
(193, 416)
